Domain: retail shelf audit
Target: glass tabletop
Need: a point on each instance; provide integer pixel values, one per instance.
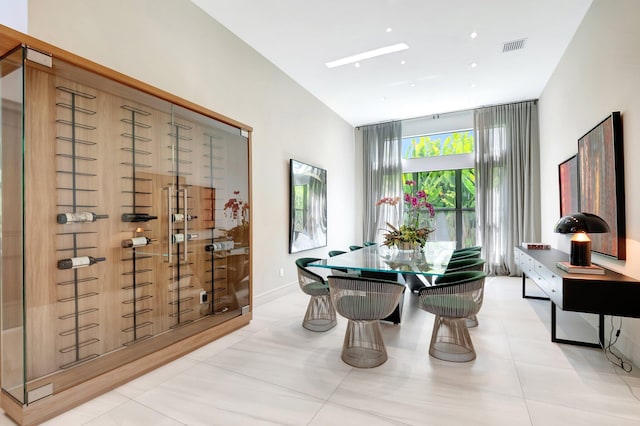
(432, 260)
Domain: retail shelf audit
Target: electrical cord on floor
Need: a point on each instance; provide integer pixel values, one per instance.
(608, 349)
(618, 362)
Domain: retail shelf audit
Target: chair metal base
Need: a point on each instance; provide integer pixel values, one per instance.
(320, 315)
(363, 346)
(472, 321)
(450, 340)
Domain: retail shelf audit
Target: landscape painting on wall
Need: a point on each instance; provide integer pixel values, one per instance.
(601, 183)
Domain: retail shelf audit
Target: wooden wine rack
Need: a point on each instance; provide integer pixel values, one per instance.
(138, 279)
(97, 141)
(77, 289)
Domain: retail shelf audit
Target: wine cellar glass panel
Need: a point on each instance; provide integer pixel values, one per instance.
(137, 219)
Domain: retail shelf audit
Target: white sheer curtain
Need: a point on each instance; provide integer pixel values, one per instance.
(382, 176)
(507, 181)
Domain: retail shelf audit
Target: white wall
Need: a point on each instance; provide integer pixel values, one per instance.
(13, 14)
(599, 73)
(173, 45)
(437, 123)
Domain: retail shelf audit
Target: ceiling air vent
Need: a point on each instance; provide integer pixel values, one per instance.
(510, 46)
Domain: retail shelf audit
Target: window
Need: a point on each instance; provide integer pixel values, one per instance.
(442, 165)
(438, 144)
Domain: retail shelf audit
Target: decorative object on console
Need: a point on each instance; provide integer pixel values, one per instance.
(579, 224)
(601, 183)
(536, 246)
(591, 269)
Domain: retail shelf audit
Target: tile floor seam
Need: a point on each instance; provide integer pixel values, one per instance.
(263, 381)
(106, 412)
(615, 370)
(143, 405)
(582, 408)
(360, 410)
(353, 370)
(518, 375)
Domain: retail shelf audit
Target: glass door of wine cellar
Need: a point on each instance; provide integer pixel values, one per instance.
(125, 223)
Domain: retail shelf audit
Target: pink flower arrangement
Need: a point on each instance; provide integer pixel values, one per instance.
(237, 207)
(388, 200)
(414, 206)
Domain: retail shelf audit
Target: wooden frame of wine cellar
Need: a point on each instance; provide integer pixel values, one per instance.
(126, 228)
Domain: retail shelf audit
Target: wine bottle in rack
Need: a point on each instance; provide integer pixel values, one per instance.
(222, 245)
(179, 217)
(179, 238)
(136, 242)
(79, 262)
(79, 217)
(137, 217)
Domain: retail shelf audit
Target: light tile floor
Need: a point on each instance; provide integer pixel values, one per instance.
(274, 372)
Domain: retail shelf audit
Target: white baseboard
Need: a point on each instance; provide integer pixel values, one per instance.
(273, 294)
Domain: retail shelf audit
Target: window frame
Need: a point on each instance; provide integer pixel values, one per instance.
(453, 162)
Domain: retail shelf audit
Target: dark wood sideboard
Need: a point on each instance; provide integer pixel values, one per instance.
(609, 294)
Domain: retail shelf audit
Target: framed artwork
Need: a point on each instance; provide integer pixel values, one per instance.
(308, 207)
(568, 176)
(601, 183)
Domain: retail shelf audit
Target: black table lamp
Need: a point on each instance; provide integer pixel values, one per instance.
(579, 224)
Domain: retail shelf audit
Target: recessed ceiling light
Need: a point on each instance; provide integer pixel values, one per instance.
(357, 64)
(389, 30)
(403, 62)
(367, 55)
(473, 34)
(473, 65)
(413, 85)
(473, 85)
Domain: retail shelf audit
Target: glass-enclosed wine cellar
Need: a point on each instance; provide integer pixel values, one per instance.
(125, 227)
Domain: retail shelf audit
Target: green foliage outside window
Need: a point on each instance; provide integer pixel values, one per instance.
(441, 185)
(438, 144)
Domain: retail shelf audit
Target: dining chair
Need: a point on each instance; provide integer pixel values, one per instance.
(465, 251)
(396, 315)
(320, 314)
(333, 253)
(458, 296)
(460, 265)
(465, 264)
(364, 301)
(465, 255)
(476, 248)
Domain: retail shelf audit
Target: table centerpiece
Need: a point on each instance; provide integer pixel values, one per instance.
(414, 232)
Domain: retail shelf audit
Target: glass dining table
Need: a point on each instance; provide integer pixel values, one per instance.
(413, 267)
(431, 260)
